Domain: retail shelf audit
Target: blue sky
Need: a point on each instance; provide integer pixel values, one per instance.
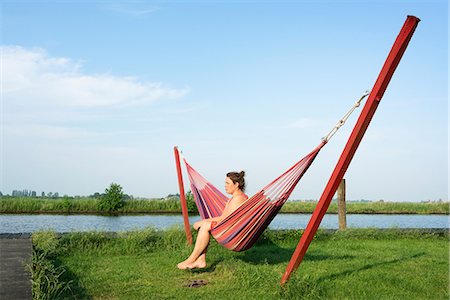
(100, 92)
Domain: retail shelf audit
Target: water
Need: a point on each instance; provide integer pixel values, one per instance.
(65, 223)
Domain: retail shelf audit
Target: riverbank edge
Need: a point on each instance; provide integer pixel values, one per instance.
(438, 231)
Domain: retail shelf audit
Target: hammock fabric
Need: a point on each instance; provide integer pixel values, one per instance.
(242, 228)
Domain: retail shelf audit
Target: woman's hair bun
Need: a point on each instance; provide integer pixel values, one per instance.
(238, 177)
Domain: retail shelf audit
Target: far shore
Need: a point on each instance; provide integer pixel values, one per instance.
(171, 206)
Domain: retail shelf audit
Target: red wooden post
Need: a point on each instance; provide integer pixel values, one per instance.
(184, 210)
(356, 136)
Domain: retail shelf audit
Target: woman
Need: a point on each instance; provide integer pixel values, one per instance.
(235, 186)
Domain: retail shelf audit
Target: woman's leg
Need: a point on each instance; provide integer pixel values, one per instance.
(201, 260)
(199, 252)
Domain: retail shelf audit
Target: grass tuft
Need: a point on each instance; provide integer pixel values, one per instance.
(46, 273)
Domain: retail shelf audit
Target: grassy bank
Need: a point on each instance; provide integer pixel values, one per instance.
(84, 205)
(90, 205)
(356, 264)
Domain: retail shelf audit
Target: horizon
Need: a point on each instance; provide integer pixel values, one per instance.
(101, 92)
(56, 195)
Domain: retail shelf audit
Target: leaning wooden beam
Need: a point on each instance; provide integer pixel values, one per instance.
(356, 136)
(184, 210)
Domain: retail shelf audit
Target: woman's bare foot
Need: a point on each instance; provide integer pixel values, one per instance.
(185, 264)
(200, 263)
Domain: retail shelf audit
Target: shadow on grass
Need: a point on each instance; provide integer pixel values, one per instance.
(75, 291)
(370, 266)
(270, 253)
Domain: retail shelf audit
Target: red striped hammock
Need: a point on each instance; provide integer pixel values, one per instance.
(242, 228)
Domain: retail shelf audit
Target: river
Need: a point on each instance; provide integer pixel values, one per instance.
(10, 223)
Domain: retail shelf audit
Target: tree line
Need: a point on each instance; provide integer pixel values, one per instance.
(30, 193)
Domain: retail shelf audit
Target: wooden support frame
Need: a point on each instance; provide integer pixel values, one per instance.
(356, 136)
(184, 210)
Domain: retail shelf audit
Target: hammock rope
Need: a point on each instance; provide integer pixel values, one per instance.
(345, 117)
(241, 229)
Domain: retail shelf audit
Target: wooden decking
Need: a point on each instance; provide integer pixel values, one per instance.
(15, 250)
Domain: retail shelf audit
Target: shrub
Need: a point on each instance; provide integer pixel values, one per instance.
(113, 198)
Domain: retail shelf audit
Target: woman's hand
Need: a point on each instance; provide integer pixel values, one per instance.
(198, 224)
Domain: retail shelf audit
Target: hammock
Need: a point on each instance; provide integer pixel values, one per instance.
(242, 228)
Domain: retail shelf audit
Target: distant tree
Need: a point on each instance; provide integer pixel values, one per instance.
(173, 196)
(56, 195)
(43, 194)
(127, 197)
(1, 194)
(113, 198)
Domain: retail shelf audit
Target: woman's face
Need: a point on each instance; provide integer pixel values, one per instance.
(230, 186)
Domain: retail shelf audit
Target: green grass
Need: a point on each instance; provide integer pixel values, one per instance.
(46, 205)
(355, 264)
(90, 205)
(45, 273)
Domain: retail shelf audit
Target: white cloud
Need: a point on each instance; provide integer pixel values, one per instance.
(31, 77)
